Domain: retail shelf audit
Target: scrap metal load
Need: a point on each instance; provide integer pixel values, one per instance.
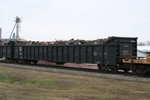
(61, 42)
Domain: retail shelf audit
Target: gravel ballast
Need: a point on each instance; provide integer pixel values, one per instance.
(77, 72)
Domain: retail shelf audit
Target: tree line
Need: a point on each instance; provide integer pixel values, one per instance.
(147, 43)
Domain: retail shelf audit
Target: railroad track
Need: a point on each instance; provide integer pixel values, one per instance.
(77, 71)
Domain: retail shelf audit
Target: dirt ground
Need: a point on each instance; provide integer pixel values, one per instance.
(23, 84)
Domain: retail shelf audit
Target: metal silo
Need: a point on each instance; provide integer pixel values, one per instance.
(0, 33)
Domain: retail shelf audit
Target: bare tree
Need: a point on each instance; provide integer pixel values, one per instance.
(148, 43)
(141, 44)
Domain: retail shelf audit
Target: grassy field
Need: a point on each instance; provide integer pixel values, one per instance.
(23, 84)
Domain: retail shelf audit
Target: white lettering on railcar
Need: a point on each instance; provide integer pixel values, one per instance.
(126, 45)
(132, 41)
(95, 53)
(20, 48)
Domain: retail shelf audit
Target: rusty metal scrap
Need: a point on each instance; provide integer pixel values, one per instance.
(66, 42)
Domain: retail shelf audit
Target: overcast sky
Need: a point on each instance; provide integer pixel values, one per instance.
(47, 20)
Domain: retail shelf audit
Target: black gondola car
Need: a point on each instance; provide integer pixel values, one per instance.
(108, 54)
(6, 52)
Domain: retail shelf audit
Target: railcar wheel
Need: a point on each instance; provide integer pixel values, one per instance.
(114, 70)
(146, 71)
(126, 70)
(35, 62)
(134, 71)
(17, 61)
(60, 63)
(100, 68)
(28, 62)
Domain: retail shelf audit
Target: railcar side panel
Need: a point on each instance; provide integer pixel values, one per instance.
(41, 51)
(8, 52)
(28, 52)
(83, 54)
(36, 52)
(25, 52)
(4, 52)
(50, 53)
(97, 54)
(109, 55)
(65, 53)
(16, 52)
(54, 48)
(89, 54)
(20, 52)
(45, 53)
(60, 54)
(70, 54)
(1, 51)
(77, 54)
(32, 53)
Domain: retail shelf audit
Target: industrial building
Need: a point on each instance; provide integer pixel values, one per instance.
(143, 51)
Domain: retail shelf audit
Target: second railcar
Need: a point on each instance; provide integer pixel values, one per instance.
(6, 51)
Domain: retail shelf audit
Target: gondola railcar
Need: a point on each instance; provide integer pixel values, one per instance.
(108, 56)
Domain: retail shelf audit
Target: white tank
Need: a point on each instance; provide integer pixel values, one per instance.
(0, 33)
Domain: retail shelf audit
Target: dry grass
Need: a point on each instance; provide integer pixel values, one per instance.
(23, 84)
